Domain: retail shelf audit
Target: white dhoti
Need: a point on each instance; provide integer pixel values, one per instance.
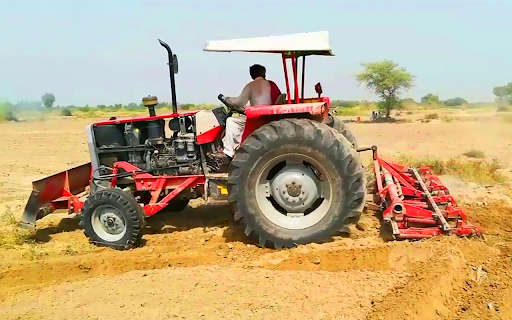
(234, 129)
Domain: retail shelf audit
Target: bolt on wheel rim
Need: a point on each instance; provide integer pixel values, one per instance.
(294, 191)
(108, 223)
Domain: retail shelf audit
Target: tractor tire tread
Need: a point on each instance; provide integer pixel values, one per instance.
(331, 142)
(342, 128)
(127, 204)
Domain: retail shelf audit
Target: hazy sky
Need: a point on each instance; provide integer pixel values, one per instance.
(105, 52)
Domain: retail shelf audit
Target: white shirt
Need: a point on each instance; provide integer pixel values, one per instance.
(257, 92)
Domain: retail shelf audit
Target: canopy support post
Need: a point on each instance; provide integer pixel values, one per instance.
(288, 95)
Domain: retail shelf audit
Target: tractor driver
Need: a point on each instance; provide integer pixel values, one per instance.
(259, 92)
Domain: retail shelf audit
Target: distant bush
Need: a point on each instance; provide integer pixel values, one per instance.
(344, 103)
(504, 109)
(432, 116)
(66, 113)
(430, 99)
(455, 102)
(353, 111)
(409, 112)
(5, 111)
(477, 154)
(478, 171)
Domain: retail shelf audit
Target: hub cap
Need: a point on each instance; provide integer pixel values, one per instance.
(294, 191)
(108, 223)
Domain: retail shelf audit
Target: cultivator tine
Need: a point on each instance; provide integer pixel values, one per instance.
(415, 203)
(29, 216)
(438, 215)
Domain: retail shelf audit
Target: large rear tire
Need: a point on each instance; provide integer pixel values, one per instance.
(113, 218)
(296, 181)
(342, 128)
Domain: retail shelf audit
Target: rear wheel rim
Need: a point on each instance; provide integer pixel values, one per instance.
(294, 191)
(108, 223)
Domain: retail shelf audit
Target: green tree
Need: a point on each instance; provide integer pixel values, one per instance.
(430, 99)
(132, 106)
(48, 99)
(101, 106)
(387, 80)
(456, 102)
(503, 93)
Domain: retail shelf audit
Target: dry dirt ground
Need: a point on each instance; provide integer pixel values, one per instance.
(198, 265)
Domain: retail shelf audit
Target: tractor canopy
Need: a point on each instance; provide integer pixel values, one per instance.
(302, 44)
(291, 47)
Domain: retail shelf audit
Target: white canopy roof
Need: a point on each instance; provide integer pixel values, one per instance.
(311, 43)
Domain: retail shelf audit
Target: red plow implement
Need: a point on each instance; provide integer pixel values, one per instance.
(415, 203)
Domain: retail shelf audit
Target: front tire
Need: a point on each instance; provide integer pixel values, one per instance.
(113, 218)
(296, 181)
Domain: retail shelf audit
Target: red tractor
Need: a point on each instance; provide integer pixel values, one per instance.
(296, 177)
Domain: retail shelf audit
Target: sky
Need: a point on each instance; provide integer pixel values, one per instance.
(105, 52)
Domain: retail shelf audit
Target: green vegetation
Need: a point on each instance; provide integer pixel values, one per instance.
(477, 154)
(455, 102)
(387, 80)
(10, 235)
(431, 100)
(48, 100)
(504, 93)
(504, 109)
(66, 113)
(477, 171)
(432, 116)
(5, 111)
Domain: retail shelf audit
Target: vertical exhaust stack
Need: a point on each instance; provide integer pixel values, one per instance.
(173, 69)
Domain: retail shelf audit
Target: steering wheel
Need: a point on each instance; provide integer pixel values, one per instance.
(230, 107)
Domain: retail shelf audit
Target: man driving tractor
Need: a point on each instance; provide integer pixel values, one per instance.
(259, 92)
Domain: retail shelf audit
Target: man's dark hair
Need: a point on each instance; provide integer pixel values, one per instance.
(257, 71)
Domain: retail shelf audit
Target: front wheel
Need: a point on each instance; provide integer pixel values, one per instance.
(113, 218)
(296, 181)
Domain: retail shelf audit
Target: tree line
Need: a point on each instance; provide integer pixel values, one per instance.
(384, 78)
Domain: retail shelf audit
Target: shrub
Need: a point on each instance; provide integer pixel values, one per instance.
(478, 171)
(66, 113)
(432, 116)
(455, 102)
(474, 154)
(503, 109)
(5, 112)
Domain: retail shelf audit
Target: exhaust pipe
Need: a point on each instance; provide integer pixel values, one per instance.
(173, 69)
